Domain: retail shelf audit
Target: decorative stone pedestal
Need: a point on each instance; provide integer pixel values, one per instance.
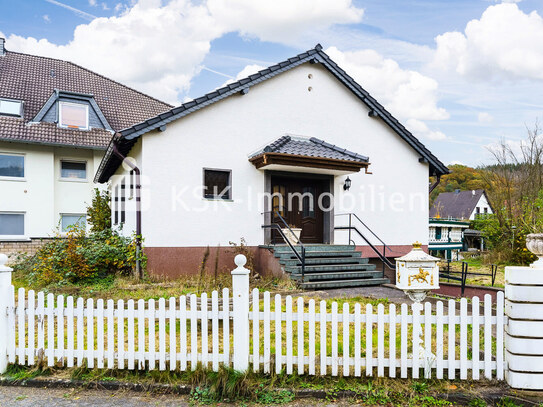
(524, 331)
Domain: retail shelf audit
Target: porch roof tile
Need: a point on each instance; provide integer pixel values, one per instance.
(310, 147)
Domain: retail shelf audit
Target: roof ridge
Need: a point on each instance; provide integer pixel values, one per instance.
(277, 144)
(167, 105)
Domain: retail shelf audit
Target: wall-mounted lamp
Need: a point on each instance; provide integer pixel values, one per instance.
(347, 184)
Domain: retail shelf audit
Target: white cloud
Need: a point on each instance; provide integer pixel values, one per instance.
(484, 117)
(92, 3)
(505, 41)
(105, 7)
(421, 130)
(158, 48)
(406, 94)
(507, 1)
(46, 18)
(282, 20)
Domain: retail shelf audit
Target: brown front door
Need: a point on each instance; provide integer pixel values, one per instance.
(296, 199)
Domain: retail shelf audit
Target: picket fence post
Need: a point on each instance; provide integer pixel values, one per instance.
(240, 297)
(5, 292)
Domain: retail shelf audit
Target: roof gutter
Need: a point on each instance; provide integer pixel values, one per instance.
(435, 184)
(134, 167)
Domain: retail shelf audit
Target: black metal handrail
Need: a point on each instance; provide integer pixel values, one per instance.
(299, 256)
(351, 227)
(450, 275)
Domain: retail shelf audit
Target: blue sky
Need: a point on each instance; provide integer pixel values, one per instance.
(460, 74)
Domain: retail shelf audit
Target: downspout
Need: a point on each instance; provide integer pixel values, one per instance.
(435, 184)
(139, 271)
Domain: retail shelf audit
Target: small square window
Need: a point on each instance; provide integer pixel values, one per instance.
(217, 184)
(12, 165)
(12, 224)
(73, 170)
(69, 221)
(11, 107)
(74, 115)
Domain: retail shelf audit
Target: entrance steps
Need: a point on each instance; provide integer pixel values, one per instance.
(328, 266)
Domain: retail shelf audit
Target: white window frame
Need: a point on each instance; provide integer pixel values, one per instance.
(73, 160)
(21, 104)
(81, 215)
(20, 179)
(15, 237)
(61, 103)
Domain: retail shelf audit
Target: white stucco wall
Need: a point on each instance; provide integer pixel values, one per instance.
(393, 200)
(482, 205)
(42, 195)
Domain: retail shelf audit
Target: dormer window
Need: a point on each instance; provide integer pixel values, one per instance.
(10, 107)
(73, 115)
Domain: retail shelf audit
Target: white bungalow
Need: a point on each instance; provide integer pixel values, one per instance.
(299, 144)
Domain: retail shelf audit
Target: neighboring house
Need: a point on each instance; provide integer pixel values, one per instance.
(218, 168)
(449, 221)
(56, 120)
(461, 205)
(447, 237)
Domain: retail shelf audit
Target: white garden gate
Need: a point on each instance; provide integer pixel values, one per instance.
(255, 330)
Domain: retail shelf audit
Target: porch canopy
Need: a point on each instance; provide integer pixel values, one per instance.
(290, 152)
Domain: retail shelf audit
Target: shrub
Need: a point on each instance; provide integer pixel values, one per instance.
(78, 257)
(99, 212)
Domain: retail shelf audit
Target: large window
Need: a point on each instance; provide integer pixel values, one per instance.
(12, 165)
(69, 221)
(11, 107)
(12, 224)
(73, 169)
(73, 115)
(217, 184)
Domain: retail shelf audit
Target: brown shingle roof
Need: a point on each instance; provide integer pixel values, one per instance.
(33, 79)
(16, 130)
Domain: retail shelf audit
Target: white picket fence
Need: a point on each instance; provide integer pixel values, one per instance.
(272, 334)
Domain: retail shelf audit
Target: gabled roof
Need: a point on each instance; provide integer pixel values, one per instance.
(457, 204)
(127, 137)
(310, 147)
(33, 79)
(308, 152)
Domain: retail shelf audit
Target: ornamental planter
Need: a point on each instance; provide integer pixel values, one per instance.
(294, 236)
(534, 243)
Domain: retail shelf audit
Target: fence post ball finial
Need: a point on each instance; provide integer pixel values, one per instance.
(240, 260)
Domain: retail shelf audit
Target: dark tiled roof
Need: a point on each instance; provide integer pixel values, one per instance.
(310, 147)
(16, 130)
(457, 205)
(127, 137)
(33, 79)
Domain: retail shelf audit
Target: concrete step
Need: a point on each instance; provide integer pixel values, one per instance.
(316, 285)
(344, 275)
(322, 261)
(332, 267)
(315, 248)
(318, 254)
